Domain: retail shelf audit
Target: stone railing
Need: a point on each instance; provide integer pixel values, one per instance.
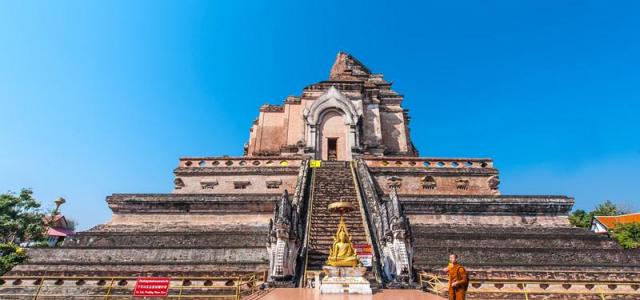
(547, 289)
(428, 162)
(242, 161)
(111, 287)
(373, 208)
(302, 187)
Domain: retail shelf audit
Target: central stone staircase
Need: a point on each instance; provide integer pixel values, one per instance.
(332, 181)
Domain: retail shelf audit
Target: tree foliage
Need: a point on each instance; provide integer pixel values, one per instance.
(627, 235)
(608, 208)
(581, 218)
(10, 255)
(20, 221)
(20, 217)
(71, 224)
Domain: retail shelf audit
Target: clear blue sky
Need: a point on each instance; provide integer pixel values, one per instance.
(101, 97)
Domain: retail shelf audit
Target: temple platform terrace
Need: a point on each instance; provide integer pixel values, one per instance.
(387, 294)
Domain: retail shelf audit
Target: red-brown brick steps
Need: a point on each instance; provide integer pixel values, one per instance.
(332, 182)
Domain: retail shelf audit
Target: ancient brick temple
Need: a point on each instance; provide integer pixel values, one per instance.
(267, 210)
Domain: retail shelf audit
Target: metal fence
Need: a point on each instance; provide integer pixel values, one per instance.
(524, 289)
(78, 287)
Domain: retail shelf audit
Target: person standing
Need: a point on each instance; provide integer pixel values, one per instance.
(458, 279)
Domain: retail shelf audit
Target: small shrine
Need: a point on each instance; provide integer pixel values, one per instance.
(344, 272)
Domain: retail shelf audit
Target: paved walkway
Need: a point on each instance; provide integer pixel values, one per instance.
(295, 294)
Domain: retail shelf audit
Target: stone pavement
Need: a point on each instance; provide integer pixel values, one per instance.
(296, 293)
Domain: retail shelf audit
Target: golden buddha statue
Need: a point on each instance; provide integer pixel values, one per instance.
(342, 253)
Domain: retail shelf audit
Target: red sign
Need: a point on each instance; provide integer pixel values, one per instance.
(151, 287)
(363, 249)
(365, 254)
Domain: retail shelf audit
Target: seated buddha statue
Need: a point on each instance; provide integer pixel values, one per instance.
(342, 253)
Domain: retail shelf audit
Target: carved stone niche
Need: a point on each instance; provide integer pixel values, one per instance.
(178, 183)
(493, 182)
(208, 185)
(273, 184)
(289, 148)
(462, 184)
(428, 183)
(266, 153)
(394, 182)
(240, 185)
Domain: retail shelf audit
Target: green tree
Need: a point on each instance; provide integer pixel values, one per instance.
(71, 224)
(20, 221)
(10, 255)
(607, 208)
(581, 218)
(627, 235)
(20, 217)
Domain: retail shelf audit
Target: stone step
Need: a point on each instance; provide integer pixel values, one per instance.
(333, 225)
(332, 217)
(329, 236)
(325, 236)
(327, 223)
(331, 230)
(328, 242)
(329, 227)
(332, 184)
(329, 239)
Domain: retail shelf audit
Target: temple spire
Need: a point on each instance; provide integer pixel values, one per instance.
(347, 67)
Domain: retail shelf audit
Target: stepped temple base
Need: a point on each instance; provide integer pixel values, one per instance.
(342, 280)
(409, 212)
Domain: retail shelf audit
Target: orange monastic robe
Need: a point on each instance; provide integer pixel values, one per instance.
(457, 273)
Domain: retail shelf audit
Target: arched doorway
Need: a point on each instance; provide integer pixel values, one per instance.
(332, 125)
(333, 137)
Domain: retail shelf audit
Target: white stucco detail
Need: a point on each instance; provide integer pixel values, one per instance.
(332, 101)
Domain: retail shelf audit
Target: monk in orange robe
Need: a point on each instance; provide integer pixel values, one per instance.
(458, 280)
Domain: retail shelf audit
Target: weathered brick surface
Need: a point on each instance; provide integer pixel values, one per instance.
(283, 130)
(190, 239)
(493, 250)
(488, 205)
(158, 234)
(192, 203)
(147, 255)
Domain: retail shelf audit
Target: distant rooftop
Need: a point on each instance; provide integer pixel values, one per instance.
(611, 221)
